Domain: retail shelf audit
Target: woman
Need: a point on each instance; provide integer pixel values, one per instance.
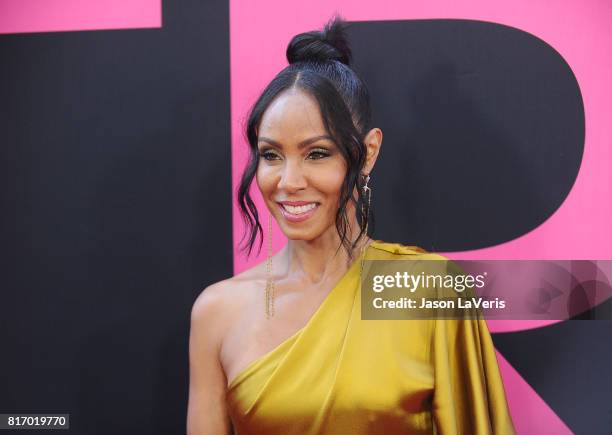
(281, 348)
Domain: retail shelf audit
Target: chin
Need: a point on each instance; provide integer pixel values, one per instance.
(294, 234)
(306, 230)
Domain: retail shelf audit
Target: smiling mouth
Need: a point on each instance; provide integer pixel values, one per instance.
(298, 209)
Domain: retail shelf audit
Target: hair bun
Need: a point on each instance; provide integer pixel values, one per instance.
(321, 46)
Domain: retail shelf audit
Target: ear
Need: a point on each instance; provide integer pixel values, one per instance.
(373, 142)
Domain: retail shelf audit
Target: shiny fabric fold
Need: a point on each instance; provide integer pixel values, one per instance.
(343, 375)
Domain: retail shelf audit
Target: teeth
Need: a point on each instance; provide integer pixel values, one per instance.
(293, 209)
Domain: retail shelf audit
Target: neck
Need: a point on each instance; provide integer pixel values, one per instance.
(315, 260)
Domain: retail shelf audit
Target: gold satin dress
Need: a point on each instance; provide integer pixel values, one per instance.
(341, 375)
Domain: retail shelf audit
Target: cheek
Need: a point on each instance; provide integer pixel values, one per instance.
(330, 180)
(265, 177)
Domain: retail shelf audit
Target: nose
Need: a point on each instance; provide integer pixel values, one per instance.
(292, 178)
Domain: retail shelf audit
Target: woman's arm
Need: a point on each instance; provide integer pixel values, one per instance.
(206, 411)
(469, 395)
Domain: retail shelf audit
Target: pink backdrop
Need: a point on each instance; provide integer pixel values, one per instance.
(22, 16)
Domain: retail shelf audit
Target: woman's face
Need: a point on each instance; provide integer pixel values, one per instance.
(300, 170)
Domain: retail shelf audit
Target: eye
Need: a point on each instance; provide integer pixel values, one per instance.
(318, 154)
(268, 155)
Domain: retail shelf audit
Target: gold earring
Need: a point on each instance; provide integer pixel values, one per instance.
(269, 281)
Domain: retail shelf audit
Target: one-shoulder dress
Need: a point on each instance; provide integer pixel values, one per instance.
(342, 375)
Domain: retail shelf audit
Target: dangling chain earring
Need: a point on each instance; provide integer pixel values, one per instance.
(367, 193)
(269, 280)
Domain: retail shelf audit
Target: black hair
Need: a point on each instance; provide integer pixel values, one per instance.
(319, 64)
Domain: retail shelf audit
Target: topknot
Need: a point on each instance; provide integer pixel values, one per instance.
(324, 45)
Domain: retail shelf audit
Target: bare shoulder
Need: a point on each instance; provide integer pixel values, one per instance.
(210, 301)
(216, 301)
(220, 304)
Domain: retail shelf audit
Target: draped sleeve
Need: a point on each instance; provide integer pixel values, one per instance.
(469, 393)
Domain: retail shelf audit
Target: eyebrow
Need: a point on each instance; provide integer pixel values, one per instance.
(300, 145)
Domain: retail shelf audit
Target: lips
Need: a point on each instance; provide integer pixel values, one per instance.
(298, 211)
(297, 202)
